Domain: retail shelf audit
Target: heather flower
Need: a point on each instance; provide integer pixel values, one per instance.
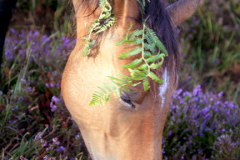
(53, 103)
(224, 148)
(43, 142)
(62, 148)
(51, 84)
(38, 136)
(77, 136)
(55, 99)
(190, 36)
(47, 158)
(55, 141)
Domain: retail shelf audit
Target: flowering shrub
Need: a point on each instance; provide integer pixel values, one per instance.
(226, 148)
(34, 121)
(196, 123)
(43, 57)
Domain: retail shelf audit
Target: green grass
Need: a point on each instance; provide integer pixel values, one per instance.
(211, 50)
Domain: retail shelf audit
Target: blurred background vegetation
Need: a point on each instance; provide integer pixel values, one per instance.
(47, 16)
(210, 43)
(42, 35)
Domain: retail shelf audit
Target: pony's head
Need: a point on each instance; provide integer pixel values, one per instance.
(128, 126)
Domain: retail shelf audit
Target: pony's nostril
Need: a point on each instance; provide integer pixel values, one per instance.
(127, 100)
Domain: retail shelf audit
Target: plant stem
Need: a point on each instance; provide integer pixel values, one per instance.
(143, 48)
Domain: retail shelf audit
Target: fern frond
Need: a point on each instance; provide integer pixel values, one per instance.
(155, 58)
(136, 33)
(155, 66)
(133, 64)
(116, 79)
(100, 98)
(149, 39)
(147, 54)
(130, 53)
(126, 88)
(137, 41)
(102, 3)
(105, 86)
(86, 50)
(156, 40)
(143, 67)
(122, 76)
(150, 47)
(155, 78)
(146, 84)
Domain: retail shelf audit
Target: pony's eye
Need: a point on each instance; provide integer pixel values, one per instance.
(127, 100)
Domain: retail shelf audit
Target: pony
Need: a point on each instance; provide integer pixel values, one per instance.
(129, 126)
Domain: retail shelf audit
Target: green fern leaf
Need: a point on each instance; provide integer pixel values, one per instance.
(136, 79)
(102, 3)
(133, 64)
(155, 78)
(128, 32)
(86, 49)
(136, 33)
(120, 91)
(117, 84)
(155, 58)
(116, 79)
(135, 84)
(105, 86)
(149, 39)
(155, 66)
(124, 41)
(137, 41)
(150, 47)
(140, 73)
(100, 98)
(146, 84)
(107, 97)
(99, 93)
(130, 53)
(143, 67)
(147, 54)
(121, 42)
(156, 40)
(122, 76)
(126, 88)
(112, 86)
(92, 43)
(102, 90)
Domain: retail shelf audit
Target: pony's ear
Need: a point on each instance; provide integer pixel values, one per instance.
(126, 11)
(182, 9)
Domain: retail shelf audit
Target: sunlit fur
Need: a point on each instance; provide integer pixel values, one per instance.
(117, 130)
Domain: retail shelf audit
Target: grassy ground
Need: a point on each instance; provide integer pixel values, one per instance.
(203, 121)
